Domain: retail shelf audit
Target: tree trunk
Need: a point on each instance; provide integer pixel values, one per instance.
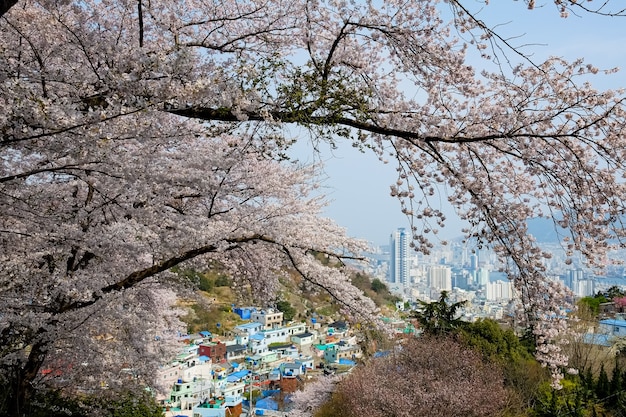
(19, 401)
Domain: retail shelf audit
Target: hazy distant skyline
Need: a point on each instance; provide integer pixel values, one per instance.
(358, 184)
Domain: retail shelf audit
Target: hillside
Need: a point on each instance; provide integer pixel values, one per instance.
(212, 310)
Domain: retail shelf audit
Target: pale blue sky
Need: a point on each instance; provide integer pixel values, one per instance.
(358, 184)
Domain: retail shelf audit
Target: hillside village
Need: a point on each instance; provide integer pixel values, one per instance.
(214, 374)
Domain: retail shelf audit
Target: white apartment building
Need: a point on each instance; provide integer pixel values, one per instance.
(499, 291)
(583, 287)
(482, 276)
(283, 334)
(269, 318)
(440, 278)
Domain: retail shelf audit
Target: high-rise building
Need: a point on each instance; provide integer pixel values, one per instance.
(399, 262)
(499, 290)
(482, 276)
(573, 277)
(473, 262)
(440, 278)
(460, 255)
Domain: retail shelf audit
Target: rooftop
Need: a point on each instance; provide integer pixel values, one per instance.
(216, 403)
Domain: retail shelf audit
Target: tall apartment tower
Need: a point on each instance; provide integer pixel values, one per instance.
(399, 262)
(440, 278)
(574, 276)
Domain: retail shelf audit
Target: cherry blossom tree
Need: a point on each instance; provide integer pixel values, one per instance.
(88, 248)
(427, 377)
(316, 392)
(620, 302)
(138, 135)
(103, 193)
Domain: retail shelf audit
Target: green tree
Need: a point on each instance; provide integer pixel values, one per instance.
(603, 386)
(616, 379)
(587, 379)
(222, 281)
(378, 286)
(493, 341)
(592, 304)
(569, 401)
(439, 317)
(288, 311)
(523, 375)
(614, 292)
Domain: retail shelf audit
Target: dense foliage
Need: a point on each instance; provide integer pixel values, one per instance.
(375, 289)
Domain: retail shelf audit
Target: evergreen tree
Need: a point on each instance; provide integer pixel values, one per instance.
(602, 386)
(588, 380)
(439, 317)
(614, 292)
(616, 379)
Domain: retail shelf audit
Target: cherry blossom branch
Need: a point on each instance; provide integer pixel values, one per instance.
(7, 141)
(66, 169)
(137, 277)
(307, 118)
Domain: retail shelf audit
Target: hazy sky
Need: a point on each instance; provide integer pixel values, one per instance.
(358, 184)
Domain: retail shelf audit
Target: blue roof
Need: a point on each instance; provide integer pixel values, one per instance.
(251, 325)
(614, 322)
(203, 358)
(346, 362)
(205, 333)
(257, 336)
(267, 404)
(597, 339)
(237, 376)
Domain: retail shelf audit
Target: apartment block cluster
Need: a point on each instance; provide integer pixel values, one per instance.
(212, 374)
(471, 274)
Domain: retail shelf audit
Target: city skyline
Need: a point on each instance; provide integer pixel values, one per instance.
(357, 183)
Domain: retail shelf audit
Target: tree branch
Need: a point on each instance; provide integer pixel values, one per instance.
(304, 117)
